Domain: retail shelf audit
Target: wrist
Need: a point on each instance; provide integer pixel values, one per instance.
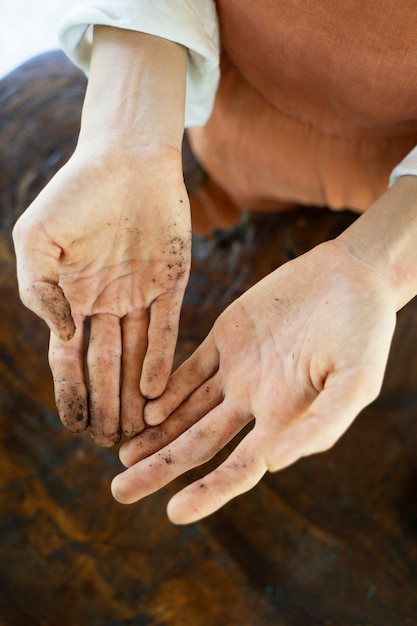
(136, 90)
(384, 238)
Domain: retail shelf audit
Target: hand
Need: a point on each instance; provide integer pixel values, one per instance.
(301, 353)
(108, 240)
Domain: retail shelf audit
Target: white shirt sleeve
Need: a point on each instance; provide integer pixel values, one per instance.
(192, 23)
(407, 167)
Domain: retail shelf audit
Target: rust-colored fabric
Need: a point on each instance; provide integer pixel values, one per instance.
(317, 101)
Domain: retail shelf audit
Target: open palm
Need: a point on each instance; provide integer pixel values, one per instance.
(108, 241)
(300, 354)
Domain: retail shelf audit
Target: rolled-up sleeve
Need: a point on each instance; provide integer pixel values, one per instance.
(407, 167)
(191, 23)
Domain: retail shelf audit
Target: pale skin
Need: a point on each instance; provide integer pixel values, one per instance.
(113, 230)
(299, 355)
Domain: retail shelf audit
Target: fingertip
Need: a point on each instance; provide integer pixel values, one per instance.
(105, 440)
(152, 414)
(48, 300)
(132, 424)
(75, 426)
(63, 324)
(156, 371)
(72, 407)
(174, 515)
(152, 386)
(125, 454)
(64, 334)
(117, 493)
(179, 515)
(67, 331)
(119, 489)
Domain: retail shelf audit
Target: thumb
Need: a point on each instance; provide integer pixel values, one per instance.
(325, 421)
(37, 273)
(48, 301)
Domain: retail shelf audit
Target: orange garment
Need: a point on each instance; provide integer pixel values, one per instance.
(317, 101)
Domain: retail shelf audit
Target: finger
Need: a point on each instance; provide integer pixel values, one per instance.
(241, 471)
(134, 342)
(104, 368)
(66, 360)
(324, 422)
(48, 301)
(162, 337)
(199, 404)
(191, 375)
(37, 271)
(194, 447)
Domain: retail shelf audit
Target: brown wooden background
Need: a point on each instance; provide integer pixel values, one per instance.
(331, 541)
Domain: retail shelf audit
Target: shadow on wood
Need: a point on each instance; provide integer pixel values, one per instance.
(329, 541)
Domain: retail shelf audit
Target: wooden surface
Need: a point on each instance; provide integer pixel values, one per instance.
(331, 541)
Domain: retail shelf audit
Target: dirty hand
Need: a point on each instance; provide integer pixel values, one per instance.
(108, 241)
(301, 353)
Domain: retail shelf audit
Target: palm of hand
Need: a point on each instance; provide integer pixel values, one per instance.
(302, 353)
(118, 243)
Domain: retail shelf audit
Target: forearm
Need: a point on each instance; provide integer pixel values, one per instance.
(136, 91)
(385, 237)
